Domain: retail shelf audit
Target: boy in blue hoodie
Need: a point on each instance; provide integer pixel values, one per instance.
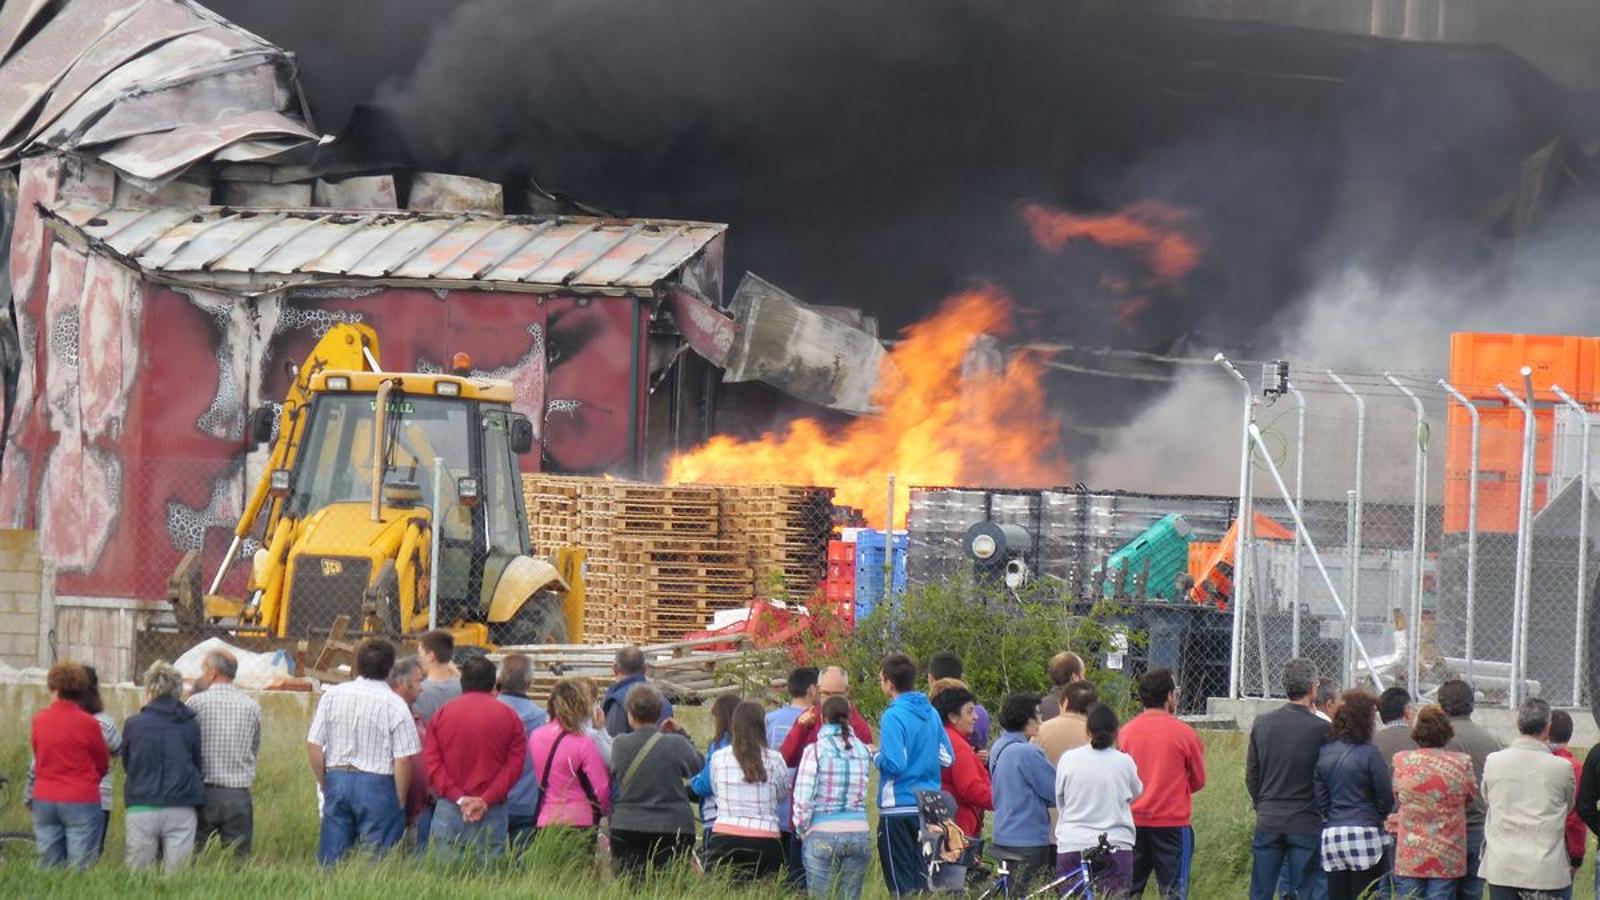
(913, 747)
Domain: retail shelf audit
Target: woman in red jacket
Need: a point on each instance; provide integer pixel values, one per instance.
(70, 757)
(967, 779)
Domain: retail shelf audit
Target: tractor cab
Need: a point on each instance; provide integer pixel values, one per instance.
(358, 504)
(372, 475)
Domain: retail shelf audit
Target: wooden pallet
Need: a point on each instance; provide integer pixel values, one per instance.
(635, 492)
(646, 526)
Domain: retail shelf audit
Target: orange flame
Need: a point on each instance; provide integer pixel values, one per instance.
(1165, 240)
(934, 425)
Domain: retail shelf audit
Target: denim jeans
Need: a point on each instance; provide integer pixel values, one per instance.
(453, 837)
(358, 808)
(1470, 887)
(1424, 888)
(836, 863)
(1274, 851)
(67, 833)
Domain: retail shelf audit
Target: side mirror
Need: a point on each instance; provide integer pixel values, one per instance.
(467, 491)
(521, 435)
(261, 422)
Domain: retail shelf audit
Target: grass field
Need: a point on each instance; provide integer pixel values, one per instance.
(286, 833)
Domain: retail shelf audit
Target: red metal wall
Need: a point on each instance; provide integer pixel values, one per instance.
(128, 448)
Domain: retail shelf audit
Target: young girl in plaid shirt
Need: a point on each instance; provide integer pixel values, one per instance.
(830, 806)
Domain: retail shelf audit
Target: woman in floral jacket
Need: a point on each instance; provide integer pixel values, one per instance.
(1433, 789)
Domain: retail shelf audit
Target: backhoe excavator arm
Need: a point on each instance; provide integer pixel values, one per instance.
(345, 346)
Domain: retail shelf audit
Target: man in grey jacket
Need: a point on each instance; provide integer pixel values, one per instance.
(1455, 697)
(1529, 792)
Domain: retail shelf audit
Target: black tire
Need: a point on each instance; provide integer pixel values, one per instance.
(539, 621)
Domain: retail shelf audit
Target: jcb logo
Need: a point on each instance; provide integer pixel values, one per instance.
(332, 567)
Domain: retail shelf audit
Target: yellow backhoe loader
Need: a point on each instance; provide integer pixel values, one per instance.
(344, 515)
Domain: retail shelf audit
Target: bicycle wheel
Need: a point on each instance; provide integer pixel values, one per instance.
(17, 845)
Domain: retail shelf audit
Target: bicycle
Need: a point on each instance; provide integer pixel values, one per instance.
(12, 840)
(1075, 885)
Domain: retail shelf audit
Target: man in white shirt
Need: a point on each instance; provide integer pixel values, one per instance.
(360, 744)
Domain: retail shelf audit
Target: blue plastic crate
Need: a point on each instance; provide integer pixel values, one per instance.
(869, 569)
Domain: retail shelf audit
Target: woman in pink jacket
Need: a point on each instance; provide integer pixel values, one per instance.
(574, 785)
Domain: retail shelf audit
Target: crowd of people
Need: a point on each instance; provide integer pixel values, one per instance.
(1363, 796)
(1354, 795)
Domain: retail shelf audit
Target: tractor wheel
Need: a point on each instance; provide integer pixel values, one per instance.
(538, 621)
(384, 595)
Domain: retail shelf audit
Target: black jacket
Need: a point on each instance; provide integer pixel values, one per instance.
(161, 753)
(1588, 805)
(1280, 769)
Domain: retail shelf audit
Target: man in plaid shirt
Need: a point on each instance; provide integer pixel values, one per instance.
(360, 746)
(230, 738)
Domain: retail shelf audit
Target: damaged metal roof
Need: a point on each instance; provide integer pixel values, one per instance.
(254, 251)
(151, 87)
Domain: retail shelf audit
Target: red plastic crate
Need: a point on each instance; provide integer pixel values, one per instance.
(842, 552)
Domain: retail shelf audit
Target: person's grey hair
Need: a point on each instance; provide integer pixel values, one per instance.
(630, 660)
(163, 679)
(1327, 691)
(404, 669)
(836, 670)
(223, 663)
(1533, 716)
(516, 673)
(644, 703)
(1299, 677)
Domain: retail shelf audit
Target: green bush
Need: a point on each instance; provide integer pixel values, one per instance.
(1005, 640)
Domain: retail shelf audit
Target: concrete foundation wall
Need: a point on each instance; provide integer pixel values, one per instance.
(18, 703)
(1499, 721)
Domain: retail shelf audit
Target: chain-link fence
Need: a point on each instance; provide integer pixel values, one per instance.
(1434, 557)
(327, 551)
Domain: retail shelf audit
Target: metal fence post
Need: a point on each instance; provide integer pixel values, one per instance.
(1354, 549)
(1299, 498)
(1519, 594)
(1583, 544)
(1241, 538)
(434, 527)
(1300, 526)
(1472, 516)
(1419, 524)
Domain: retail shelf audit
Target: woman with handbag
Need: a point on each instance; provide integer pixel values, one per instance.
(574, 785)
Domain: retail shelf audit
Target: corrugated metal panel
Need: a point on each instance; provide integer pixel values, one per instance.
(151, 87)
(260, 250)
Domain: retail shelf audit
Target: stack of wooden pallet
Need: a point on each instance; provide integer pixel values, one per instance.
(661, 561)
(786, 529)
(658, 569)
(687, 670)
(552, 504)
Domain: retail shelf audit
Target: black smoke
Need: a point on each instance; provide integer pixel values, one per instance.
(874, 153)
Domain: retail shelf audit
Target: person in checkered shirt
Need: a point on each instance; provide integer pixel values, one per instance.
(230, 739)
(361, 742)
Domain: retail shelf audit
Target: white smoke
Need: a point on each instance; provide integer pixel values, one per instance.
(1360, 324)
